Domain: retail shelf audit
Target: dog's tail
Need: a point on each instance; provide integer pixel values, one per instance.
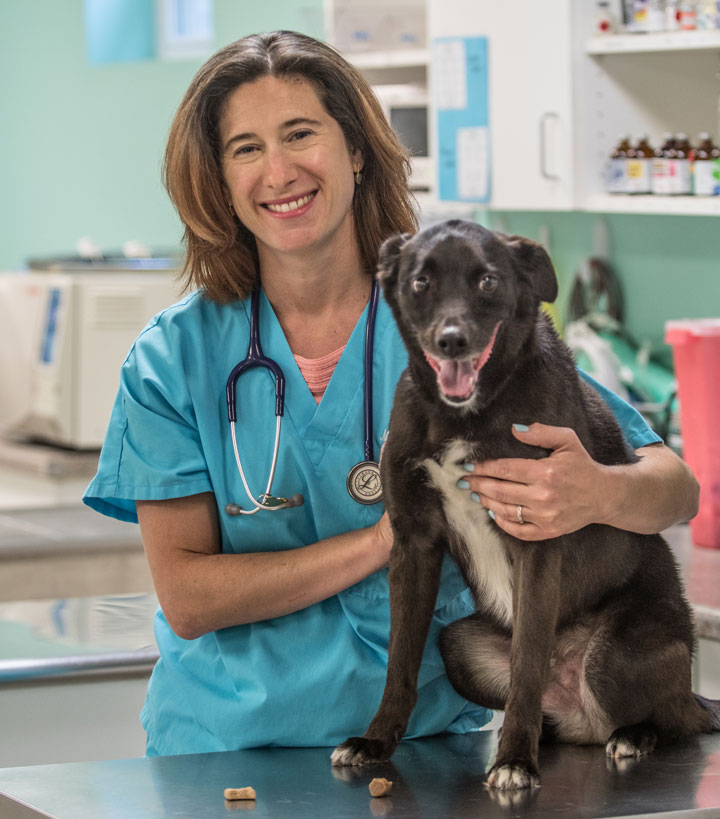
(711, 710)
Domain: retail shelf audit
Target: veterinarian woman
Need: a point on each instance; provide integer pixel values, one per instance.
(273, 626)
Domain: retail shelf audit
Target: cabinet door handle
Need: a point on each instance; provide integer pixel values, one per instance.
(544, 119)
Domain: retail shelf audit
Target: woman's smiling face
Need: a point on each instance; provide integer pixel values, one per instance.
(287, 166)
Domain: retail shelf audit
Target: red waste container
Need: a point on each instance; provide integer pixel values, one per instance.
(696, 353)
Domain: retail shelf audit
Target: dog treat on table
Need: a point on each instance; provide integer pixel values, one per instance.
(380, 787)
(239, 793)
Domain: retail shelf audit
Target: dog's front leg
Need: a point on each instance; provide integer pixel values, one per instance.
(414, 581)
(536, 591)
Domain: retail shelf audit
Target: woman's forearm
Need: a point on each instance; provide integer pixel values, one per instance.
(658, 491)
(202, 590)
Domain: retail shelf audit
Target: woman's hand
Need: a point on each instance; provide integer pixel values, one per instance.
(568, 489)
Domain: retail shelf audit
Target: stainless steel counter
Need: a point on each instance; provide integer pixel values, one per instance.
(435, 778)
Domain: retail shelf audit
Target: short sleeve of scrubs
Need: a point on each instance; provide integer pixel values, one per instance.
(152, 450)
(635, 429)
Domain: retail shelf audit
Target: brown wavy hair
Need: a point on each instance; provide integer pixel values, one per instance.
(221, 255)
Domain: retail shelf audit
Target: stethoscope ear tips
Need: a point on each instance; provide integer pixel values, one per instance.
(233, 509)
(295, 500)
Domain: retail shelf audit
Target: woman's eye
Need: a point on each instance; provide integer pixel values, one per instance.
(488, 283)
(297, 135)
(244, 150)
(420, 284)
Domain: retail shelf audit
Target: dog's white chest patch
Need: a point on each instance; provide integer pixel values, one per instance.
(470, 522)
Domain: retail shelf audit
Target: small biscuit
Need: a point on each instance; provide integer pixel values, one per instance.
(239, 793)
(380, 787)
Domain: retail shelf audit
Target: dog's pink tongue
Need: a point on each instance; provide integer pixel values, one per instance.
(457, 378)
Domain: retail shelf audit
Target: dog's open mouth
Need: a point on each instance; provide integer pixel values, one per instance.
(457, 377)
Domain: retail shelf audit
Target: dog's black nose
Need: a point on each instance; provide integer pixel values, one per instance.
(452, 341)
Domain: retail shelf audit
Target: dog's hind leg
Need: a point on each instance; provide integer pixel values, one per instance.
(477, 660)
(639, 673)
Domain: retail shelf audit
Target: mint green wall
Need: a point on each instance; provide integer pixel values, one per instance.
(669, 266)
(81, 145)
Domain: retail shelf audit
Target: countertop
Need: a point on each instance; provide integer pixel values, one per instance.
(113, 633)
(436, 777)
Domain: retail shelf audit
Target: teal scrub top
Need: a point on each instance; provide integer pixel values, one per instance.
(314, 677)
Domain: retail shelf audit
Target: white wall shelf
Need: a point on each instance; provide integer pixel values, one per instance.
(670, 205)
(411, 58)
(661, 41)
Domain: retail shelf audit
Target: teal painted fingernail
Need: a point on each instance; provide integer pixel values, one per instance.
(461, 484)
(469, 467)
(491, 513)
(521, 428)
(474, 496)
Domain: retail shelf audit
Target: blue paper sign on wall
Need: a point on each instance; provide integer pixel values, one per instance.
(460, 95)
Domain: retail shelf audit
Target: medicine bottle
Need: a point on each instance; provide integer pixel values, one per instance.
(660, 174)
(617, 178)
(706, 167)
(687, 15)
(639, 165)
(604, 23)
(680, 175)
(672, 15)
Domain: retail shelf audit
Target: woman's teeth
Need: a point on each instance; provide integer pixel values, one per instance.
(287, 206)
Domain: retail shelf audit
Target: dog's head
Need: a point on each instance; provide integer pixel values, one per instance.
(459, 292)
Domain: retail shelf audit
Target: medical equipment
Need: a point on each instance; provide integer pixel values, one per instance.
(363, 481)
(64, 334)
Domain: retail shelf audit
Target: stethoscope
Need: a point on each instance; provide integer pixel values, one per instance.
(363, 480)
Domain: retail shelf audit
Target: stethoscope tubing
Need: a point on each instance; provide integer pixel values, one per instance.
(256, 358)
(367, 368)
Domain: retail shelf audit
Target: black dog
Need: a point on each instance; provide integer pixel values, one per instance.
(587, 636)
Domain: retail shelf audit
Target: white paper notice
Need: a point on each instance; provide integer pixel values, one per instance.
(449, 75)
(472, 163)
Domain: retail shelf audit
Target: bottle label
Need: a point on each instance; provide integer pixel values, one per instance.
(638, 172)
(660, 181)
(617, 178)
(679, 172)
(706, 177)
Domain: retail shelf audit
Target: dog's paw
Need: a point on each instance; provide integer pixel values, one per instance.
(360, 751)
(512, 776)
(626, 743)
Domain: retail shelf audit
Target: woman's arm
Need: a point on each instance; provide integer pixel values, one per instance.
(569, 490)
(201, 590)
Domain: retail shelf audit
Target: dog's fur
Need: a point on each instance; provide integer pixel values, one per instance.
(587, 636)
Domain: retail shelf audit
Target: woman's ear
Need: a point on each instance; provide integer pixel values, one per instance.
(358, 162)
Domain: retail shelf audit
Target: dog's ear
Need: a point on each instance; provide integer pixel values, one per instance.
(535, 263)
(388, 258)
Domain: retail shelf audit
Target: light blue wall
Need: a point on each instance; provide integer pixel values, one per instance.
(80, 145)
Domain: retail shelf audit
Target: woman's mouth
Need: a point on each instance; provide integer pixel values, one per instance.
(290, 205)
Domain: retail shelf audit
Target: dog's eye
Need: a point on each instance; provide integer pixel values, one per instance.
(488, 283)
(420, 284)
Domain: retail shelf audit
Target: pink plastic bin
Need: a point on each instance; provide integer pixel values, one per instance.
(696, 353)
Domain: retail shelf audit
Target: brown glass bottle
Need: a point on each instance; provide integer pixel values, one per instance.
(639, 161)
(680, 179)
(660, 176)
(706, 167)
(617, 178)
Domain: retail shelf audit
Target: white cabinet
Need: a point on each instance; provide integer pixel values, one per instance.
(560, 98)
(530, 95)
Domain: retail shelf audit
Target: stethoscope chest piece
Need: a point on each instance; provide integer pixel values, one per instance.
(363, 483)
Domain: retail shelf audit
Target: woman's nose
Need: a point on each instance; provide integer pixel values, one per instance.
(279, 170)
